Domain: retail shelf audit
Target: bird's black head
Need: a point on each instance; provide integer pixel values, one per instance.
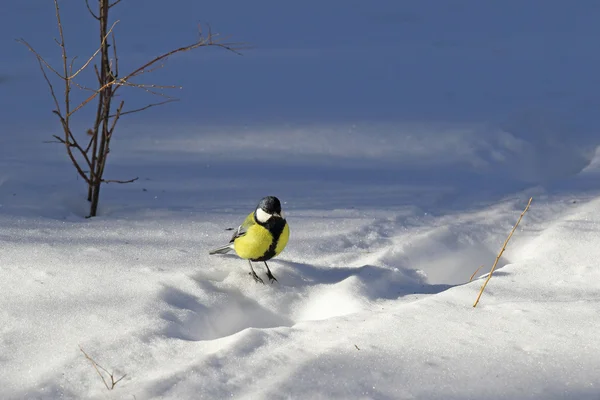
(268, 208)
(271, 205)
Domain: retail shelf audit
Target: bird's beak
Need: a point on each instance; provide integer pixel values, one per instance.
(277, 215)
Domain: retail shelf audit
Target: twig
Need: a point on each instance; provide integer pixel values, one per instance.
(203, 42)
(87, 4)
(115, 118)
(40, 58)
(147, 107)
(500, 253)
(104, 39)
(118, 181)
(50, 86)
(208, 41)
(70, 140)
(477, 270)
(116, 58)
(82, 87)
(159, 66)
(70, 74)
(99, 367)
(146, 88)
(149, 85)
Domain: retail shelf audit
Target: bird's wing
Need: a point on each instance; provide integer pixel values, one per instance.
(243, 228)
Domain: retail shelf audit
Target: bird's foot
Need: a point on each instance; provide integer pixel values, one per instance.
(257, 278)
(269, 274)
(271, 277)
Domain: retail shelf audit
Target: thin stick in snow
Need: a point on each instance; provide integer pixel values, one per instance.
(476, 271)
(500, 253)
(99, 367)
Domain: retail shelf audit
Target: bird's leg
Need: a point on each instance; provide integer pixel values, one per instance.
(256, 277)
(269, 274)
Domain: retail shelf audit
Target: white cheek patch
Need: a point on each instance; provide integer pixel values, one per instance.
(262, 216)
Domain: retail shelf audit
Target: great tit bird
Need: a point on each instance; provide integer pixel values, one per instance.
(263, 235)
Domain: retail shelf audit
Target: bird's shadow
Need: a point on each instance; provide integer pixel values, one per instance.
(375, 282)
(303, 292)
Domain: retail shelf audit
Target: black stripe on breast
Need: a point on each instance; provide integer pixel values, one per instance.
(275, 225)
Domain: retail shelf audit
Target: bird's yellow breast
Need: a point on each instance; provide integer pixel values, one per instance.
(259, 244)
(283, 239)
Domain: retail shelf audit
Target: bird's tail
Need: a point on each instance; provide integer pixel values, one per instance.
(222, 250)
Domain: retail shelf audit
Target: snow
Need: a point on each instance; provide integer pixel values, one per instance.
(403, 157)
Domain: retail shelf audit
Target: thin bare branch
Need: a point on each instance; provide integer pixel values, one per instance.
(74, 143)
(115, 118)
(151, 86)
(80, 170)
(71, 142)
(92, 97)
(116, 58)
(71, 67)
(60, 140)
(40, 58)
(204, 42)
(96, 52)
(89, 146)
(56, 103)
(67, 101)
(80, 86)
(114, 3)
(87, 4)
(149, 70)
(154, 92)
(120, 82)
(119, 181)
(147, 107)
(62, 38)
(200, 43)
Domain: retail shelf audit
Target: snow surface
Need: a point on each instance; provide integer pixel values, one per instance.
(403, 139)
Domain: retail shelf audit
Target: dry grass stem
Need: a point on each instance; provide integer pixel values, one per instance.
(500, 253)
(99, 369)
(476, 271)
